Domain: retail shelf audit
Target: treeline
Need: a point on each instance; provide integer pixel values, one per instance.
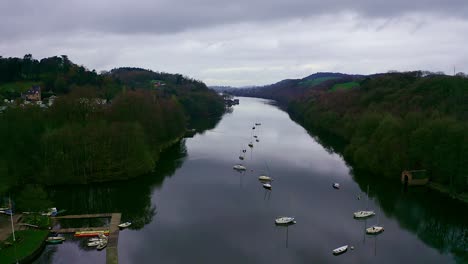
(291, 89)
(56, 75)
(194, 95)
(82, 138)
(397, 121)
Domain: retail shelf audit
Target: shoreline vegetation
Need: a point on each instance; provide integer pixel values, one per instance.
(387, 122)
(98, 127)
(29, 243)
(81, 127)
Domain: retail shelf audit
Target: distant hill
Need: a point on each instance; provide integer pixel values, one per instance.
(286, 90)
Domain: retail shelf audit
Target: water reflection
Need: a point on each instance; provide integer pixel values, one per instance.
(206, 212)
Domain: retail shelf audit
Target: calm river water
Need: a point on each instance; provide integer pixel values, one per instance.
(196, 209)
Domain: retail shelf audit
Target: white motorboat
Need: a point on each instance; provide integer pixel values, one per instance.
(267, 186)
(374, 230)
(340, 250)
(264, 178)
(94, 243)
(94, 239)
(239, 167)
(284, 220)
(125, 225)
(102, 244)
(363, 214)
(336, 185)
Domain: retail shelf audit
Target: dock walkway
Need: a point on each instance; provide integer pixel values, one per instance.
(112, 243)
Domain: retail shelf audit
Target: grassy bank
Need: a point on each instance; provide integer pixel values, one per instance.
(446, 190)
(28, 242)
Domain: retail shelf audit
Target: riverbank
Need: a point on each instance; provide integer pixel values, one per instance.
(446, 190)
(330, 139)
(28, 244)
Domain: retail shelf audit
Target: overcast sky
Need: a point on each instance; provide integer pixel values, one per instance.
(242, 42)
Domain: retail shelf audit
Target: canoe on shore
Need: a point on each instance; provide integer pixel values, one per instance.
(91, 233)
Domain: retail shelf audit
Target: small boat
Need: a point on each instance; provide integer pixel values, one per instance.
(57, 237)
(239, 167)
(94, 243)
(125, 225)
(7, 212)
(54, 240)
(241, 157)
(340, 250)
(251, 144)
(255, 136)
(336, 185)
(94, 239)
(257, 140)
(285, 220)
(50, 212)
(267, 186)
(102, 245)
(91, 233)
(244, 151)
(4, 208)
(253, 127)
(374, 230)
(264, 178)
(363, 214)
(257, 124)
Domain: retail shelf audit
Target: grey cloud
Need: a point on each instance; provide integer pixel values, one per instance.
(26, 17)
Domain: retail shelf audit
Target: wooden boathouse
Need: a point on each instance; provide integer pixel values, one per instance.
(414, 177)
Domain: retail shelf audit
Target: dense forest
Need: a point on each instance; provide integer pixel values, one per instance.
(290, 89)
(101, 127)
(391, 122)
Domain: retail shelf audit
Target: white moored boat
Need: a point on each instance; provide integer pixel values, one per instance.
(336, 185)
(125, 225)
(94, 243)
(285, 220)
(340, 250)
(363, 214)
(102, 244)
(374, 230)
(267, 186)
(264, 178)
(239, 167)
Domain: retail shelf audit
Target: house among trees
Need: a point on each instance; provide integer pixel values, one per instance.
(33, 94)
(414, 177)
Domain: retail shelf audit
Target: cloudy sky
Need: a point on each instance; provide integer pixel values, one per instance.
(242, 42)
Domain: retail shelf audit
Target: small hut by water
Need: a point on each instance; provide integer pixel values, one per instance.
(414, 177)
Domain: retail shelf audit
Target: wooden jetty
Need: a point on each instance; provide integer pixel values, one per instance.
(112, 243)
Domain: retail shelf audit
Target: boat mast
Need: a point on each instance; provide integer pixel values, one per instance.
(367, 200)
(11, 219)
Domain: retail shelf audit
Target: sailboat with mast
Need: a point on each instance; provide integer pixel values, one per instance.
(364, 213)
(375, 229)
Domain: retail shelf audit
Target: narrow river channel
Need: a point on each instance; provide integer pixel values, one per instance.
(196, 209)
